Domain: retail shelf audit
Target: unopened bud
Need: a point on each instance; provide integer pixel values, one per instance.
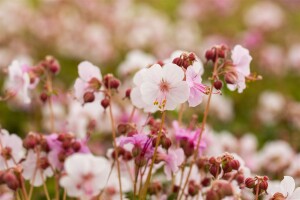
(30, 142)
(105, 103)
(263, 185)
(212, 195)
(210, 55)
(127, 93)
(88, 97)
(140, 161)
(136, 151)
(206, 181)
(215, 170)
(218, 84)
(76, 146)
(193, 189)
(235, 164)
(11, 180)
(43, 163)
(43, 97)
(250, 182)
(166, 142)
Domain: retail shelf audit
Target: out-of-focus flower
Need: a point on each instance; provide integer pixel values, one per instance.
(89, 81)
(241, 63)
(36, 168)
(293, 57)
(19, 82)
(286, 190)
(222, 108)
(11, 149)
(190, 136)
(135, 60)
(85, 175)
(272, 59)
(264, 15)
(275, 156)
(271, 105)
(62, 146)
(173, 159)
(163, 87)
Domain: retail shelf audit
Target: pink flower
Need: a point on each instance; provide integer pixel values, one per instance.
(86, 175)
(286, 189)
(58, 151)
(89, 80)
(190, 136)
(197, 89)
(241, 61)
(35, 168)
(11, 149)
(19, 82)
(173, 159)
(163, 87)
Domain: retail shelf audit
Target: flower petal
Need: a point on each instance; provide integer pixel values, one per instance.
(287, 185)
(172, 73)
(87, 71)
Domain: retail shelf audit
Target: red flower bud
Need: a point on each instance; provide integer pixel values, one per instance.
(250, 182)
(218, 84)
(43, 97)
(88, 97)
(11, 180)
(76, 146)
(105, 103)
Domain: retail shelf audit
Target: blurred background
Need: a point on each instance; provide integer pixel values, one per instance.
(116, 34)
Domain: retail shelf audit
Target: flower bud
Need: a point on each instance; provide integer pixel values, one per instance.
(44, 145)
(127, 93)
(122, 128)
(88, 97)
(43, 163)
(178, 61)
(235, 164)
(263, 185)
(212, 195)
(127, 156)
(140, 161)
(215, 170)
(95, 84)
(250, 182)
(175, 189)
(105, 103)
(192, 57)
(224, 188)
(30, 142)
(218, 84)
(43, 97)
(114, 83)
(193, 189)
(166, 142)
(210, 55)
(136, 151)
(206, 181)
(230, 78)
(240, 178)
(52, 64)
(76, 146)
(11, 180)
(62, 156)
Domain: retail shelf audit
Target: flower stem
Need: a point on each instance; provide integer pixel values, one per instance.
(116, 149)
(143, 191)
(196, 151)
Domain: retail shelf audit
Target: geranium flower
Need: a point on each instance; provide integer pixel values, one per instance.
(89, 81)
(36, 168)
(19, 82)
(11, 149)
(163, 87)
(241, 64)
(197, 89)
(173, 159)
(85, 175)
(286, 190)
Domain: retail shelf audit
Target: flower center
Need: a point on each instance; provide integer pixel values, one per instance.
(164, 86)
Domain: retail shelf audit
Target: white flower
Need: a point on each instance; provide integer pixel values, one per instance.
(163, 87)
(33, 171)
(11, 149)
(19, 81)
(286, 189)
(86, 175)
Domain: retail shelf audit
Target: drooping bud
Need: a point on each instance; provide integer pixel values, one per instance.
(210, 55)
(218, 84)
(43, 163)
(166, 142)
(215, 170)
(76, 146)
(263, 185)
(30, 141)
(193, 189)
(105, 103)
(88, 97)
(206, 181)
(127, 93)
(43, 97)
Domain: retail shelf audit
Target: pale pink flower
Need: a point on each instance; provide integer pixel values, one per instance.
(11, 149)
(18, 82)
(241, 60)
(190, 136)
(33, 170)
(89, 80)
(85, 175)
(197, 89)
(173, 159)
(163, 87)
(286, 188)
